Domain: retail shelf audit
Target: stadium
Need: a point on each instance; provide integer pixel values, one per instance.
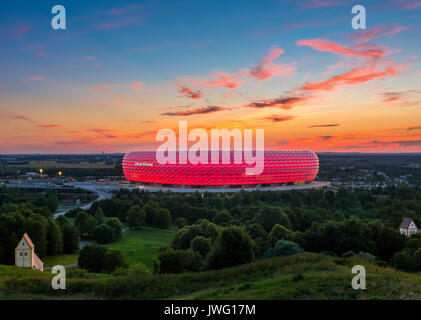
(281, 168)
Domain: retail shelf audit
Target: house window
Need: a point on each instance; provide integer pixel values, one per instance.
(20, 254)
(26, 254)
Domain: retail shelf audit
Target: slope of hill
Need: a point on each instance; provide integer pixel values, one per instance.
(302, 276)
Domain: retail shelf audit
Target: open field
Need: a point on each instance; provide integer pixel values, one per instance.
(301, 276)
(141, 245)
(62, 259)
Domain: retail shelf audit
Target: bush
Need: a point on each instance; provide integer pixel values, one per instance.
(201, 245)
(279, 232)
(177, 261)
(113, 259)
(91, 257)
(283, 248)
(232, 247)
(180, 222)
(103, 234)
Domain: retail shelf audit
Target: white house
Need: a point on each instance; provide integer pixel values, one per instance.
(408, 227)
(25, 256)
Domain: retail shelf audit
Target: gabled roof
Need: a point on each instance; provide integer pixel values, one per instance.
(28, 240)
(38, 264)
(405, 223)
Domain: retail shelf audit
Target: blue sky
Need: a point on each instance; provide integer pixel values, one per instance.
(126, 61)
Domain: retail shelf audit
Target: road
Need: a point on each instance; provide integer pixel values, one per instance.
(97, 189)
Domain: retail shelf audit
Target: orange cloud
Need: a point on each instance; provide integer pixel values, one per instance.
(203, 110)
(50, 126)
(283, 103)
(15, 116)
(276, 118)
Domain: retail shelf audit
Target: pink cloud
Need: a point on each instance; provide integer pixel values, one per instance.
(189, 93)
(224, 80)
(324, 3)
(137, 86)
(267, 69)
(410, 5)
(127, 16)
(355, 76)
(104, 87)
(329, 46)
(35, 78)
(20, 31)
(89, 58)
(376, 32)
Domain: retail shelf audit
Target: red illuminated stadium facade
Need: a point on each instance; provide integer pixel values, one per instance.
(280, 167)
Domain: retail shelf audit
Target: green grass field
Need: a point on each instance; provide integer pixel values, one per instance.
(140, 245)
(301, 276)
(62, 259)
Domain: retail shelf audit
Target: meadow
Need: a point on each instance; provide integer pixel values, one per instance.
(300, 276)
(141, 245)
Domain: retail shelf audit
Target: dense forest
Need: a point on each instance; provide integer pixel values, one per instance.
(221, 231)
(22, 212)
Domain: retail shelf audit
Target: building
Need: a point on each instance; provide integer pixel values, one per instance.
(408, 227)
(280, 167)
(25, 256)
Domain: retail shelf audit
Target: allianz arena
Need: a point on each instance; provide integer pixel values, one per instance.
(280, 168)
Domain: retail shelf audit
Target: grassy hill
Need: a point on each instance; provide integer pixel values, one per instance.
(141, 245)
(302, 276)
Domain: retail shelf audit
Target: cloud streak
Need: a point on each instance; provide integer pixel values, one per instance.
(189, 93)
(203, 110)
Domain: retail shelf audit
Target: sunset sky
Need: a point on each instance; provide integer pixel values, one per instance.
(125, 69)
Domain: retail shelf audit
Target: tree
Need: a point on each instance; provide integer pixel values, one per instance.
(115, 224)
(280, 232)
(135, 218)
(103, 234)
(283, 248)
(268, 216)
(36, 228)
(99, 215)
(54, 238)
(52, 202)
(222, 218)
(113, 259)
(232, 247)
(176, 261)
(162, 218)
(150, 209)
(80, 221)
(180, 222)
(91, 257)
(70, 239)
(201, 245)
